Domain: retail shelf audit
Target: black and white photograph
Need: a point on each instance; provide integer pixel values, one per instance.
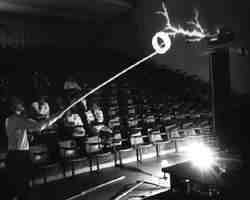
(124, 99)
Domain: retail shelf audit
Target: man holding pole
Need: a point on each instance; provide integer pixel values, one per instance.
(18, 161)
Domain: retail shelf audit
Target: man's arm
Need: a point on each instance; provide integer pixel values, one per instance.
(39, 126)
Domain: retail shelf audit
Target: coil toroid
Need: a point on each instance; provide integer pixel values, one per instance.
(161, 42)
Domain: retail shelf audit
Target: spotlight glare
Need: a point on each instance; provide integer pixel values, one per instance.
(201, 156)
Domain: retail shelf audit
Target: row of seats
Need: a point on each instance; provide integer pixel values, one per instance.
(128, 109)
(95, 150)
(123, 103)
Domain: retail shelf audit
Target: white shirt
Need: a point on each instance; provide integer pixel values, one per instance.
(95, 115)
(16, 130)
(90, 116)
(74, 119)
(99, 115)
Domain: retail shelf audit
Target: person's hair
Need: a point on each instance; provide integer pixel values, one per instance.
(14, 102)
(70, 78)
(42, 97)
(95, 104)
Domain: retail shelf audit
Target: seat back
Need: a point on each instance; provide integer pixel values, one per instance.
(68, 148)
(168, 128)
(39, 154)
(155, 136)
(117, 136)
(187, 125)
(136, 139)
(93, 144)
(190, 132)
(205, 130)
(175, 133)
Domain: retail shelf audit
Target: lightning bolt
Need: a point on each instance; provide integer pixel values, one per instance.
(195, 35)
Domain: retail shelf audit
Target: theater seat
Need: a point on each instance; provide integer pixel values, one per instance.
(156, 138)
(95, 151)
(41, 161)
(70, 154)
(137, 142)
(121, 151)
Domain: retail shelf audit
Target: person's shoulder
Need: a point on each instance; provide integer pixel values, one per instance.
(13, 118)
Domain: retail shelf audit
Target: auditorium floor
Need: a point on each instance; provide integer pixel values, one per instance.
(63, 189)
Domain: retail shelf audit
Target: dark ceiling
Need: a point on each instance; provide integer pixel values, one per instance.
(128, 26)
(74, 23)
(83, 9)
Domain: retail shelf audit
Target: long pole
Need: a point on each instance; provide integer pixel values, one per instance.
(109, 80)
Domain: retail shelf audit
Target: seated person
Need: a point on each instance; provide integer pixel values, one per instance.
(59, 104)
(74, 122)
(95, 119)
(70, 83)
(71, 87)
(75, 128)
(40, 108)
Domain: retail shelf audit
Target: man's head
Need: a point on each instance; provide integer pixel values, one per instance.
(42, 99)
(16, 105)
(95, 106)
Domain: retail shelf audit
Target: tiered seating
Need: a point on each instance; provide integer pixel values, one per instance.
(143, 121)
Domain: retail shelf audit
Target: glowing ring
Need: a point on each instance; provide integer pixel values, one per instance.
(166, 44)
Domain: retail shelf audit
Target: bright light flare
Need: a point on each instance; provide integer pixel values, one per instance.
(201, 156)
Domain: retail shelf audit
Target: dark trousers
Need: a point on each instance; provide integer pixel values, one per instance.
(19, 173)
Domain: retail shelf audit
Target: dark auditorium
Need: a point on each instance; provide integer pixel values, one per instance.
(124, 100)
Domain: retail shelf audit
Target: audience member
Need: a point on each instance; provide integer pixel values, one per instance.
(95, 118)
(59, 104)
(75, 128)
(71, 87)
(40, 108)
(74, 122)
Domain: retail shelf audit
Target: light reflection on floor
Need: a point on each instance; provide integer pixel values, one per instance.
(134, 172)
